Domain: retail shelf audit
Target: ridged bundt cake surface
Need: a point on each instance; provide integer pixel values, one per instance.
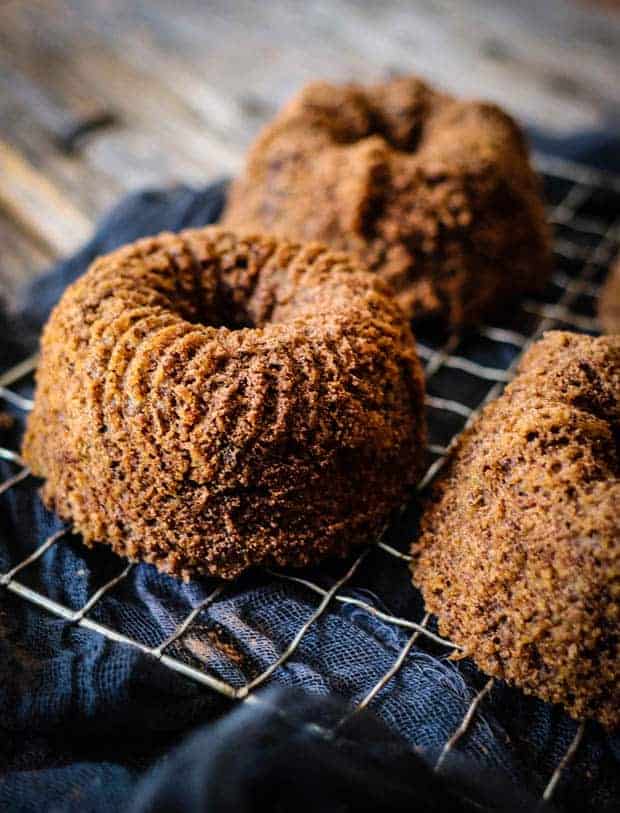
(519, 553)
(207, 402)
(434, 194)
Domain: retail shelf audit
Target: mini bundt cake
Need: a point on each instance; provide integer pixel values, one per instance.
(519, 552)
(207, 402)
(434, 194)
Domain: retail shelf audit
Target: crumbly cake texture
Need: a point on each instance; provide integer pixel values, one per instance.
(207, 402)
(433, 193)
(519, 551)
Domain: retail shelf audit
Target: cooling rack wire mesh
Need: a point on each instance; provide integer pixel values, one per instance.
(584, 207)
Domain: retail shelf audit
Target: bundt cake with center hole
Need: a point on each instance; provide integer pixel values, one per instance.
(519, 552)
(433, 193)
(207, 402)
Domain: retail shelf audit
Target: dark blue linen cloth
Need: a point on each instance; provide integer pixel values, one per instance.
(91, 724)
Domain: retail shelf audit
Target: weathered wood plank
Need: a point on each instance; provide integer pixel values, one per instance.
(171, 141)
(554, 64)
(38, 206)
(27, 130)
(20, 259)
(191, 83)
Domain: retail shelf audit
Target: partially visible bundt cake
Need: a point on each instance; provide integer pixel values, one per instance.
(519, 552)
(207, 402)
(434, 194)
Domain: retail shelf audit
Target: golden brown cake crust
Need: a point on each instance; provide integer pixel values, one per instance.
(433, 193)
(519, 552)
(207, 402)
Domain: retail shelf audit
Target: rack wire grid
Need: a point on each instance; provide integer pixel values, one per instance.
(584, 208)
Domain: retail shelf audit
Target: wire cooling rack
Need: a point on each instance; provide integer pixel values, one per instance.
(584, 207)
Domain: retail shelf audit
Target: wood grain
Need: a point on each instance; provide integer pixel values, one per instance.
(38, 206)
(180, 89)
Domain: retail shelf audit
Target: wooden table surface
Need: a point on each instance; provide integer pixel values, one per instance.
(101, 96)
